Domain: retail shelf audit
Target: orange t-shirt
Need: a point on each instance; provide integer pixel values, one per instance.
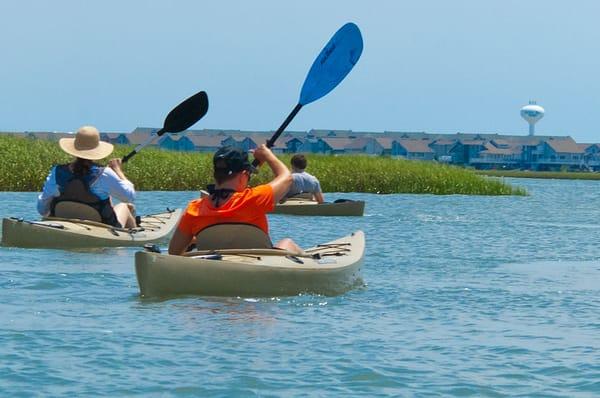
(248, 206)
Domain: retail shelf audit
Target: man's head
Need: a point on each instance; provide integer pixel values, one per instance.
(229, 162)
(298, 162)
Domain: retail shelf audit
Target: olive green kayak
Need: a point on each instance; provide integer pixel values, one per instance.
(60, 233)
(304, 207)
(329, 269)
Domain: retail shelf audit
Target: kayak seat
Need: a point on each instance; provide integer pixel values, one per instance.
(232, 236)
(303, 195)
(76, 210)
(299, 196)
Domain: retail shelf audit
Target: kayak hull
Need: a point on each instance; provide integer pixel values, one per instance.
(312, 208)
(55, 233)
(249, 275)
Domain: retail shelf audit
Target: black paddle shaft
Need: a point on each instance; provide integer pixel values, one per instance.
(288, 120)
(180, 118)
(147, 142)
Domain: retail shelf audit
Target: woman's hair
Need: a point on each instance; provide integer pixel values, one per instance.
(299, 161)
(221, 176)
(81, 166)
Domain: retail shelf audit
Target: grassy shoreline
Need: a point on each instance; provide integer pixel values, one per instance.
(25, 163)
(560, 175)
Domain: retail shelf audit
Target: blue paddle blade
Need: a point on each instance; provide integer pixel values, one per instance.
(334, 62)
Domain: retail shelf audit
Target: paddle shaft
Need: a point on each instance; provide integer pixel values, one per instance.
(286, 122)
(143, 145)
(182, 117)
(331, 66)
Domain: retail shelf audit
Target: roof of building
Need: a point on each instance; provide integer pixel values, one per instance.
(207, 141)
(112, 136)
(385, 142)
(564, 146)
(502, 142)
(330, 133)
(586, 146)
(337, 143)
(415, 146)
(443, 141)
(360, 143)
(492, 149)
(471, 142)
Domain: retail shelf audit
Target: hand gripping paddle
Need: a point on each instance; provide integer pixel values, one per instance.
(332, 65)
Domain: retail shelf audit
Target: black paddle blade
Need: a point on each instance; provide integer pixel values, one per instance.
(187, 113)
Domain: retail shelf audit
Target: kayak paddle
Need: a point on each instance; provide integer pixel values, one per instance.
(335, 61)
(180, 118)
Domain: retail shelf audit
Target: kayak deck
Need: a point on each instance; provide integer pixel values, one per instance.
(329, 269)
(304, 207)
(59, 233)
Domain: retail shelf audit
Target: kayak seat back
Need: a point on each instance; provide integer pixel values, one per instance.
(76, 210)
(232, 236)
(300, 196)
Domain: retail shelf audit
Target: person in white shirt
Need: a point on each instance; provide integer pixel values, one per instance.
(85, 182)
(304, 183)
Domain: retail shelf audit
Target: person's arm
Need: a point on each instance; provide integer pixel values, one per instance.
(283, 178)
(117, 184)
(117, 165)
(318, 194)
(319, 197)
(49, 192)
(180, 242)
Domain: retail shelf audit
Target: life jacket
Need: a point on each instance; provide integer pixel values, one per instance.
(74, 188)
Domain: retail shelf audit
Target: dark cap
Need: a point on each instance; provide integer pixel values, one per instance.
(231, 160)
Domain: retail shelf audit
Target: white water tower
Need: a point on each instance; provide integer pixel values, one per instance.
(532, 113)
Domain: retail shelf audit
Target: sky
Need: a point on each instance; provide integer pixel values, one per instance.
(435, 66)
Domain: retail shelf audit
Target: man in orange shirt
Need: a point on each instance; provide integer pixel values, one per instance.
(232, 201)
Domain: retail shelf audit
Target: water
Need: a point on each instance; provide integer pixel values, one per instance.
(464, 296)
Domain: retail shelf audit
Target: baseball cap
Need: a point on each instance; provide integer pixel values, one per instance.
(232, 160)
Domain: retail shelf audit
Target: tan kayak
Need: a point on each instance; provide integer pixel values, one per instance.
(60, 233)
(304, 207)
(330, 269)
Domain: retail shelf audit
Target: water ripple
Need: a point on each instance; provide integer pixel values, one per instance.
(462, 296)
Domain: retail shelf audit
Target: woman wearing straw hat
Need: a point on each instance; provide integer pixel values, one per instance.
(84, 182)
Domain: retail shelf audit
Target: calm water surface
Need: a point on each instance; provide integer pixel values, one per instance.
(464, 296)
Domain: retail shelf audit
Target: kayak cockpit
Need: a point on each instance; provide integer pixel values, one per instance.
(232, 236)
(76, 210)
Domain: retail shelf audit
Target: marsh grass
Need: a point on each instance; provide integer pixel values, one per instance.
(559, 175)
(25, 163)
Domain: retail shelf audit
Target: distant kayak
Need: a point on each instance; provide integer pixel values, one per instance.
(306, 207)
(60, 233)
(329, 269)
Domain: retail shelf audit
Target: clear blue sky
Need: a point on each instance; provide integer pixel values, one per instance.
(437, 66)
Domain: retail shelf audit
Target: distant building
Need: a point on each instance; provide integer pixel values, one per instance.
(494, 157)
(554, 154)
(441, 147)
(464, 149)
(364, 145)
(414, 149)
(478, 150)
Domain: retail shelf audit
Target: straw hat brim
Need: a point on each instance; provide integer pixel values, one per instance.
(100, 152)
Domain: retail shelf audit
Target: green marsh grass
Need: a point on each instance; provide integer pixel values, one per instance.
(25, 163)
(559, 175)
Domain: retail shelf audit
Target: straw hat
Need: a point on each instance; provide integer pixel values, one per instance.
(86, 144)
